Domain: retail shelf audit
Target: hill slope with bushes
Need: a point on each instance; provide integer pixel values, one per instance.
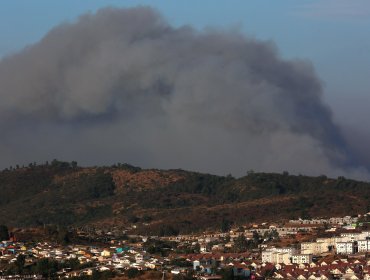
(167, 201)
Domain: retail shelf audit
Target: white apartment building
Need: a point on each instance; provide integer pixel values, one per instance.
(344, 220)
(283, 258)
(278, 255)
(301, 258)
(314, 248)
(282, 231)
(350, 236)
(345, 247)
(308, 248)
(267, 256)
(334, 220)
(289, 250)
(363, 245)
(364, 235)
(330, 241)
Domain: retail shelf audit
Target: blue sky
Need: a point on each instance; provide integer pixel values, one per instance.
(332, 34)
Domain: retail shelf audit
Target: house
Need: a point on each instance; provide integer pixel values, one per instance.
(240, 270)
(105, 253)
(202, 263)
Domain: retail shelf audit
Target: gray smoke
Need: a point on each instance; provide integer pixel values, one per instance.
(122, 85)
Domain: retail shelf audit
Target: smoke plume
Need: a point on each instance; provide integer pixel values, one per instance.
(123, 85)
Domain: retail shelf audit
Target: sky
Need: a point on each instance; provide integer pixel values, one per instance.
(330, 35)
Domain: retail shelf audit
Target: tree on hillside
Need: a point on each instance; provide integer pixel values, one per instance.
(271, 235)
(225, 225)
(46, 267)
(227, 273)
(241, 243)
(188, 276)
(133, 273)
(20, 262)
(4, 233)
(63, 236)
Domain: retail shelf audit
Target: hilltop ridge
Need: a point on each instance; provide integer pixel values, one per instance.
(167, 201)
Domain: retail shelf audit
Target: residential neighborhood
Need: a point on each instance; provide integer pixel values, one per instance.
(334, 248)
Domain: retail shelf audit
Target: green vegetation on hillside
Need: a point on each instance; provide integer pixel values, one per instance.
(168, 202)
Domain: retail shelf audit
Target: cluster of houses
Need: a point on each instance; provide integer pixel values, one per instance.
(346, 220)
(342, 255)
(346, 269)
(281, 231)
(113, 258)
(305, 261)
(347, 243)
(242, 266)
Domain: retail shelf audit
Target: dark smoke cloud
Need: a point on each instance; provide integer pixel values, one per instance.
(123, 85)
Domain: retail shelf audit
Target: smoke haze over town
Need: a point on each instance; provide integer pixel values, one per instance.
(126, 85)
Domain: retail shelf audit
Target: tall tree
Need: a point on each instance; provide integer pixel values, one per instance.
(241, 243)
(19, 263)
(225, 225)
(4, 233)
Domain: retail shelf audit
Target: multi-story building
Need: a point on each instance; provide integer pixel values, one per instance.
(329, 240)
(301, 258)
(289, 250)
(284, 258)
(278, 255)
(363, 245)
(345, 247)
(314, 248)
(334, 220)
(364, 235)
(267, 256)
(282, 231)
(350, 236)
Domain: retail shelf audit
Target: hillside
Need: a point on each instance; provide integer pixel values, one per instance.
(167, 201)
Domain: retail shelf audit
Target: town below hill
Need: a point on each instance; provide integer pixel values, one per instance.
(301, 249)
(59, 220)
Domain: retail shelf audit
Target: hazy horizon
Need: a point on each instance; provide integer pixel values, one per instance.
(133, 85)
